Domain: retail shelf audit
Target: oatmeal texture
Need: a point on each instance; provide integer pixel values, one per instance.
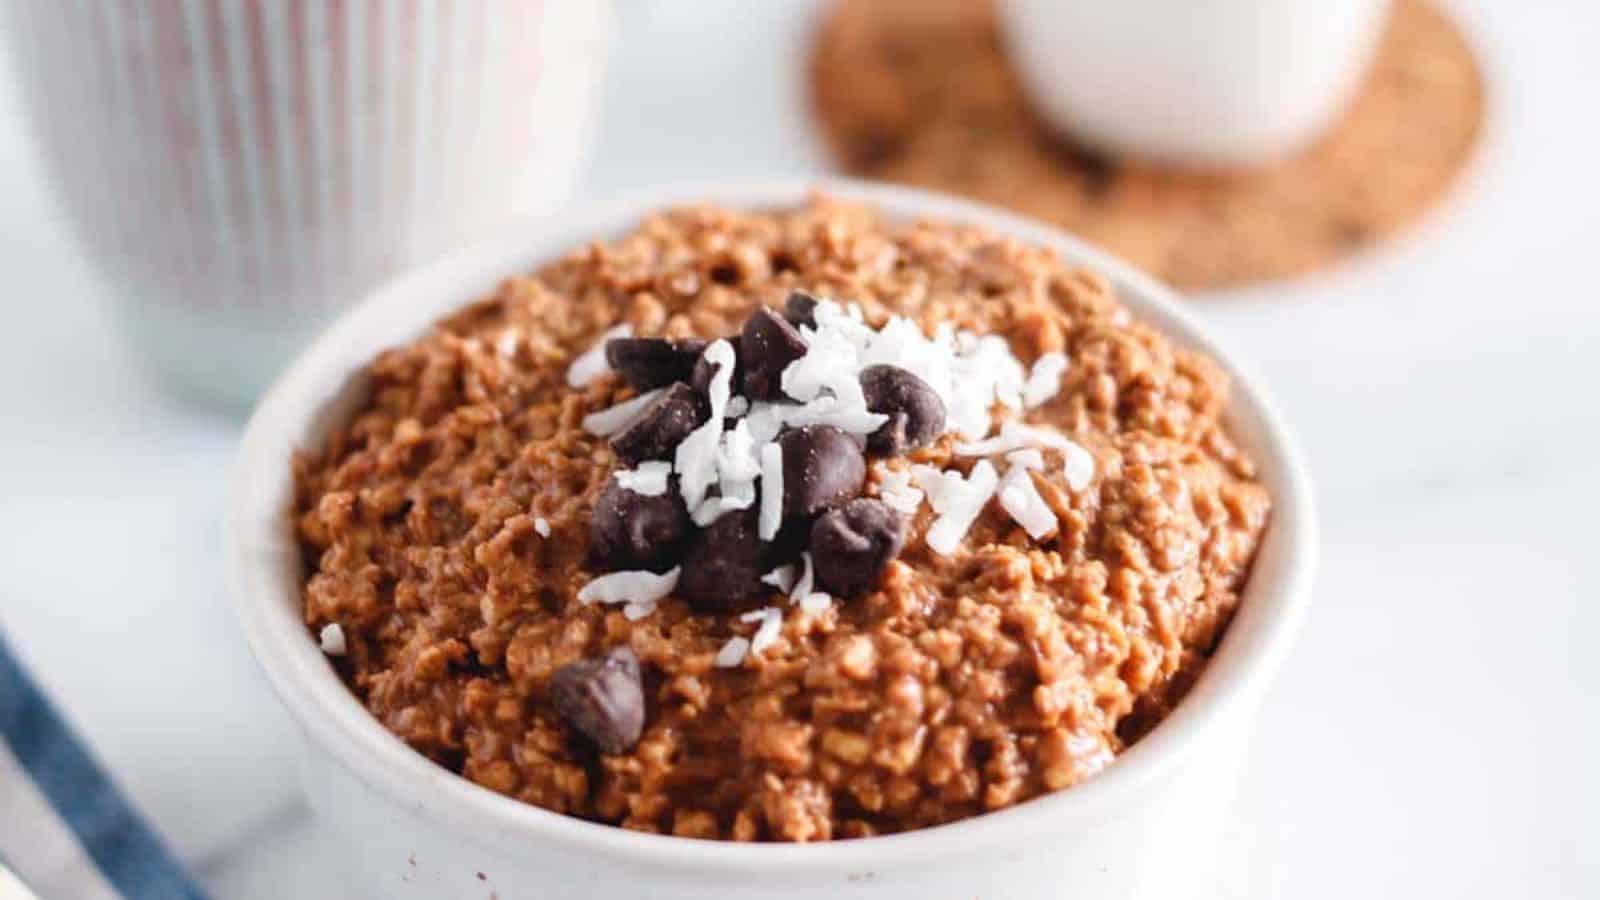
(958, 684)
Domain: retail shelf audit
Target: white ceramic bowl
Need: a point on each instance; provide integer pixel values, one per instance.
(408, 828)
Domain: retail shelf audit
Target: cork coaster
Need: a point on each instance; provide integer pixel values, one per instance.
(920, 92)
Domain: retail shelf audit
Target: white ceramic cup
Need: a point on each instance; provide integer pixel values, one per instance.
(239, 170)
(404, 827)
(1201, 83)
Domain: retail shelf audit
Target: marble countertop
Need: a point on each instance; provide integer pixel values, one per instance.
(1434, 734)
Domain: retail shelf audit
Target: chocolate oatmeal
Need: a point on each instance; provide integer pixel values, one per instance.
(788, 526)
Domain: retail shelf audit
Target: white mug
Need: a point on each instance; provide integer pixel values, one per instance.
(241, 169)
(1201, 83)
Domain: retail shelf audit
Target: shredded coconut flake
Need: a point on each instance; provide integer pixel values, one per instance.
(1014, 435)
(696, 457)
(542, 525)
(802, 586)
(802, 593)
(738, 465)
(1079, 467)
(829, 410)
(332, 639)
(1044, 382)
(771, 515)
(737, 460)
(592, 363)
(771, 619)
(696, 463)
(831, 358)
(1027, 459)
(764, 421)
(957, 500)
(986, 373)
(613, 419)
(969, 373)
(781, 578)
(713, 508)
(894, 488)
(737, 406)
(648, 480)
(629, 587)
(720, 391)
(736, 471)
(732, 653)
(633, 612)
(1019, 497)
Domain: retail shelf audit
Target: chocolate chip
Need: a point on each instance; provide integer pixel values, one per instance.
(794, 535)
(822, 467)
(700, 377)
(649, 363)
(770, 344)
(800, 309)
(851, 545)
(602, 698)
(916, 414)
(724, 563)
(634, 531)
(656, 433)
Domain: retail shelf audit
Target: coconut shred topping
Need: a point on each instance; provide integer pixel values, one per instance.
(740, 447)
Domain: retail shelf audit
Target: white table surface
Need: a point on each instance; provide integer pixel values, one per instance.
(1435, 734)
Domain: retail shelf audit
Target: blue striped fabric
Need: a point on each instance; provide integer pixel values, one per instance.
(130, 855)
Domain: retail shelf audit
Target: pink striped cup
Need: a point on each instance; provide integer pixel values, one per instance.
(242, 169)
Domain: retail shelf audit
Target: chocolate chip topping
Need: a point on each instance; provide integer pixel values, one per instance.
(649, 363)
(724, 564)
(794, 534)
(822, 468)
(800, 309)
(916, 414)
(602, 698)
(770, 344)
(700, 377)
(656, 433)
(635, 531)
(851, 545)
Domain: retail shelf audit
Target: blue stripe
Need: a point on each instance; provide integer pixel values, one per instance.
(128, 853)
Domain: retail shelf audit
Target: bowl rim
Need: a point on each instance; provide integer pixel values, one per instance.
(262, 559)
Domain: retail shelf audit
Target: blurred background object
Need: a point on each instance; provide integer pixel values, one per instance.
(64, 825)
(926, 92)
(240, 171)
(1225, 83)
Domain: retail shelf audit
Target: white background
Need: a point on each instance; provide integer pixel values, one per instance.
(1434, 735)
